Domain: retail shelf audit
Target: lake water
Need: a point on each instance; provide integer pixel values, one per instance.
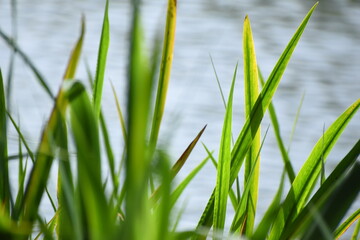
(325, 68)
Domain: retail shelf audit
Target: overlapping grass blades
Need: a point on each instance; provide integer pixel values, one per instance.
(252, 123)
(90, 208)
(305, 180)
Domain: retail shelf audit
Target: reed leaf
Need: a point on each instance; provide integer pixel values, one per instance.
(244, 140)
(165, 70)
(284, 153)
(223, 169)
(322, 194)
(28, 62)
(251, 94)
(46, 150)
(137, 159)
(101, 61)
(84, 125)
(306, 178)
(347, 223)
(5, 193)
(336, 205)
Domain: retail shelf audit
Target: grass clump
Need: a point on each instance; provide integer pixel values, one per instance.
(138, 201)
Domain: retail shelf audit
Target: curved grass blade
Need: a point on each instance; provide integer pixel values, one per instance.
(346, 224)
(336, 205)
(181, 187)
(179, 163)
(306, 178)
(46, 150)
(251, 94)
(356, 232)
(92, 198)
(223, 169)
(284, 153)
(165, 69)
(101, 61)
(27, 61)
(323, 192)
(5, 193)
(121, 117)
(244, 140)
(270, 214)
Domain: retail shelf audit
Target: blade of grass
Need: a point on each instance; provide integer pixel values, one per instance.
(356, 232)
(182, 186)
(270, 214)
(323, 192)
(346, 224)
(251, 94)
(101, 62)
(121, 117)
(306, 178)
(5, 193)
(45, 154)
(223, 169)
(336, 205)
(92, 197)
(179, 163)
(137, 160)
(244, 140)
(240, 218)
(165, 69)
(27, 61)
(284, 153)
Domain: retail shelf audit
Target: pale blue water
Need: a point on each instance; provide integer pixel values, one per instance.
(324, 67)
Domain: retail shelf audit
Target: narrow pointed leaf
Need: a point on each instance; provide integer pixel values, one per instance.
(5, 193)
(223, 169)
(101, 61)
(165, 69)
(251, 94)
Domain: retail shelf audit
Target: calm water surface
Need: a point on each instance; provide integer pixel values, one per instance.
(325, 68)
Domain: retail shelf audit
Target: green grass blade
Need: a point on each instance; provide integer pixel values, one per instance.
(223, 169)
(240, 218)
(165, 69)
(45, 154)
(323, 192)
(121, 117)
(251, 94)
(244, 140)
(356, 232)
(306, 178)
(181, 161)
(27, 61)
(182, 186)
(336, 205)
(346, 224)
(84, 127)
(101, 61)
(284, 153)
(178, 164)
(137, 160)
(5, 193)
(270, 214)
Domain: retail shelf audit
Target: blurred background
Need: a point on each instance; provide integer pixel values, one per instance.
(324, 68)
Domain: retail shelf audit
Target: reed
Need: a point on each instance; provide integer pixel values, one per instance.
(139, 200)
